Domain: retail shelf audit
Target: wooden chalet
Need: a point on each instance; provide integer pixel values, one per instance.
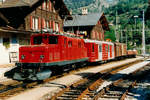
(92, 26)
(21, 18)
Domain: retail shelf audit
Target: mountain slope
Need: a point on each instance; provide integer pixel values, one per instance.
(129, 15)
(91, 5)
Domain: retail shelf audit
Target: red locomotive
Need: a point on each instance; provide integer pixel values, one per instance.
(51, 53)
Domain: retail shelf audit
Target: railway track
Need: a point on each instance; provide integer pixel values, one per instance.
(87, 87)
(119, 89)
(18, 87)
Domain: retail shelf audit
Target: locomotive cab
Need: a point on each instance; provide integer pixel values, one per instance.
(38, 51)
(34, 57)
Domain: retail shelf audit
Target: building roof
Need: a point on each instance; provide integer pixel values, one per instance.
(17, 3)
(87, 20)
(58, 4)
(24, 7)
(83, 20)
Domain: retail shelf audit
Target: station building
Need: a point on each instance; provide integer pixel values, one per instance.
(88, 25)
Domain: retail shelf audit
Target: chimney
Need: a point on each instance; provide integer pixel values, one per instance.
(71, 12)
(84, 11)
(2, 1)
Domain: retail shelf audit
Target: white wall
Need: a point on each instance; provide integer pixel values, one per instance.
(4, 52)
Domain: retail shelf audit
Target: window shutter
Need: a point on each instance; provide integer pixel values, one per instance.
(54, 25)
(31, 24)
(43, 23)
(43, 5)
(39, 23)
(50, 6)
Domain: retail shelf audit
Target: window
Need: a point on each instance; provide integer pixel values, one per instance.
(37, 40)
(57, 28)
(47, 24)
(100, 48)
(108, 48)
(35, 23)
(53, 39)
(6, 41)
(24, 41)
(14, 39)
(69, 43)
(47, 5)
(44, 6)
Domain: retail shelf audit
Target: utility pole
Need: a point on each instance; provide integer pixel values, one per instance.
(143, 35)
(117, 38)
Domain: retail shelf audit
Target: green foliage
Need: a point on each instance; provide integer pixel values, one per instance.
(127, 23)
(110, 34)
(7, 45)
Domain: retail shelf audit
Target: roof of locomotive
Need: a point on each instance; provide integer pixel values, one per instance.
(63, 35)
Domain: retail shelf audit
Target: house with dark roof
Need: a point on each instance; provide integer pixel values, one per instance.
(92, 26)
(21, 18)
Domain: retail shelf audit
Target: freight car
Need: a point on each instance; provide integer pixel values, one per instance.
(120, 50)
(51, 53)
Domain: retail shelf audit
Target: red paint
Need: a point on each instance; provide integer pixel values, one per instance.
(43, 23)
(104, 51)
(110, 47)
(53, 25)
(61, 51)
(92, 51)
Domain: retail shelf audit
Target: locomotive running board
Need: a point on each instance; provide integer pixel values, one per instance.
(52, 64)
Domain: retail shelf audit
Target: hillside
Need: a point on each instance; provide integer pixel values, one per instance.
(92, 5)
(129, 15)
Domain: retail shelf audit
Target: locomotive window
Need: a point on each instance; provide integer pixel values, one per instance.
(53, 39)
(108, 48)
(100, 48)
(93, 48)
(69, 43)
(37, 40)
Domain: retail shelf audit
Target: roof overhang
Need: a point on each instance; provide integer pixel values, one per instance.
(104, 22)
(10, 30)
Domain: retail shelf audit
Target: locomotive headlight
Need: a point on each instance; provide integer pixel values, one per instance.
(22, 56)
(41, 56)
